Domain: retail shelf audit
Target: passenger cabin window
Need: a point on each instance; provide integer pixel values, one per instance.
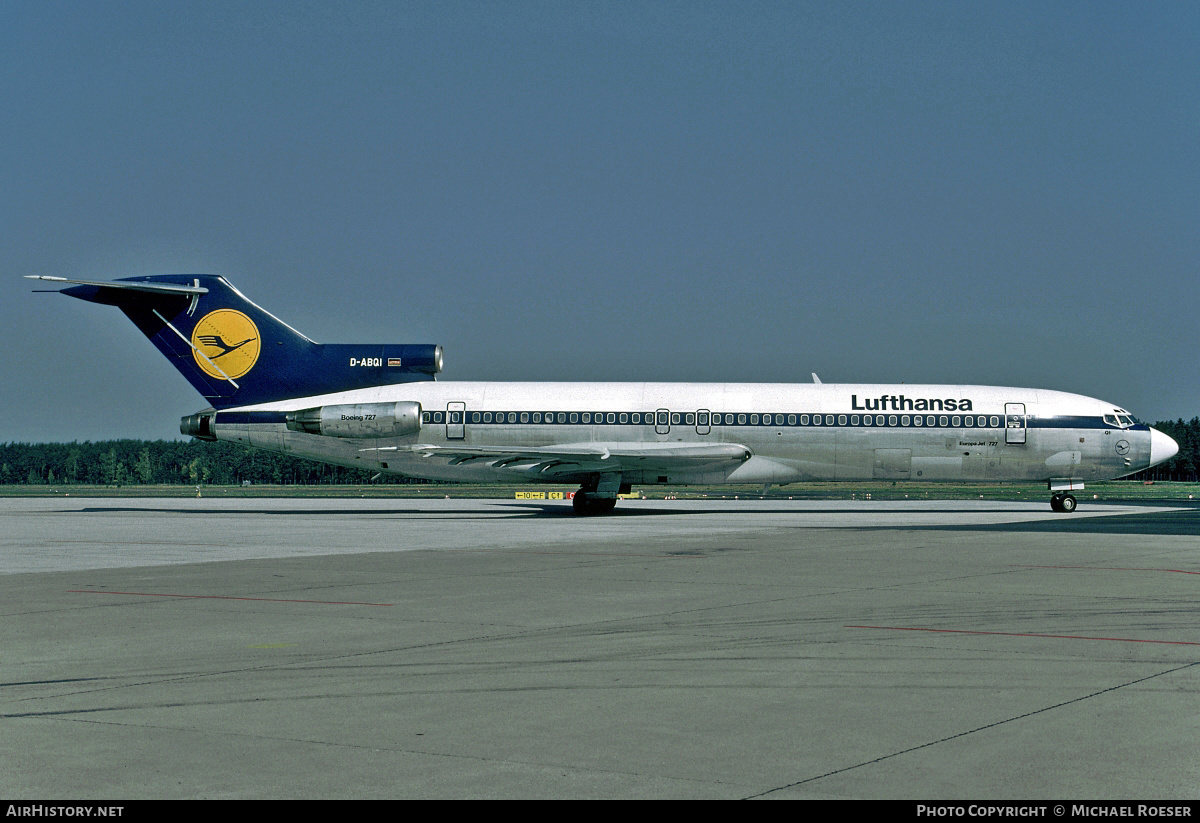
(841, 419)
(995, 421)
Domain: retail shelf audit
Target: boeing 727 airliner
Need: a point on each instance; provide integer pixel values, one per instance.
(379, 407)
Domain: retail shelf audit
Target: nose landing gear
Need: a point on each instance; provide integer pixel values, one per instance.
(1063, 503)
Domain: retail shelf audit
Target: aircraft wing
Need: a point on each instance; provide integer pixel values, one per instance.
(599, 456)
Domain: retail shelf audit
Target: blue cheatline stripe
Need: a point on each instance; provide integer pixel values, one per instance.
(235, 417)
(718, 419)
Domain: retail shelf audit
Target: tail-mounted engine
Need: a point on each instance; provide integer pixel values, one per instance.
(199, 425)
(364, 420)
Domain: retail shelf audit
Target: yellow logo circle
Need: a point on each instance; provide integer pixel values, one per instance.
(230, 342)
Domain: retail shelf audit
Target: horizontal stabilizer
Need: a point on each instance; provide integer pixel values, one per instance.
(145, 288)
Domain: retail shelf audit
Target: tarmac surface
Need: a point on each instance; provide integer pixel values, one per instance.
(250, 648)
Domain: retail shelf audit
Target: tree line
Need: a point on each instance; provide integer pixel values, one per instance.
(194, 462)
(1186, 464)
(150, 462)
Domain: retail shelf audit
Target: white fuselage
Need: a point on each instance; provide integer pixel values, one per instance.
(476, 431)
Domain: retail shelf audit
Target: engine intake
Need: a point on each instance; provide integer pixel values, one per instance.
(422, 358)
(364, 420)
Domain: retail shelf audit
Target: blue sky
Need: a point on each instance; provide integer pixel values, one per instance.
(1001, 193)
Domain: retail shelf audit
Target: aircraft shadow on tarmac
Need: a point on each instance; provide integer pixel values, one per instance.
(1183, 519)
(1151, 523)
(508, 509)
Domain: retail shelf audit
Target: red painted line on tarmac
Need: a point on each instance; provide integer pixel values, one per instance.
(1106, 568)
(1029, 634)
(227, 597)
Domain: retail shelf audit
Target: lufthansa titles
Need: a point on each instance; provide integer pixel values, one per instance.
(894, 402)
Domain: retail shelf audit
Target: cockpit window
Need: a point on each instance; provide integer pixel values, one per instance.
(1120, 420)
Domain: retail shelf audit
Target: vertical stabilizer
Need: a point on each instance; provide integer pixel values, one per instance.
(235, 353)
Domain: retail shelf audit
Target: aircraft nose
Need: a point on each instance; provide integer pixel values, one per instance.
(1162, 447)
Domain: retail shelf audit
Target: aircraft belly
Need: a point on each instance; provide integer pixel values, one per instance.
(1046, 453)
(337, 451)
(267, 436)
(937, 468)
(234, 433)
(778, 456)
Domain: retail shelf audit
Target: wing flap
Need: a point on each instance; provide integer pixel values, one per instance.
(598, 456)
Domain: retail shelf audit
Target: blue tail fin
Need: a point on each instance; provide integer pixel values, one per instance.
(236, 354)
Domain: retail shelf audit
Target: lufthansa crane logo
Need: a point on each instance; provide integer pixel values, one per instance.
(230, 342)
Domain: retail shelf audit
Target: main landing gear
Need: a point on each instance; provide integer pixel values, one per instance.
(586, 503)
(598, 494)
(1063, 503)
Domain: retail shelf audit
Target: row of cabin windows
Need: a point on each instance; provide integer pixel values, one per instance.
(663, 418)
